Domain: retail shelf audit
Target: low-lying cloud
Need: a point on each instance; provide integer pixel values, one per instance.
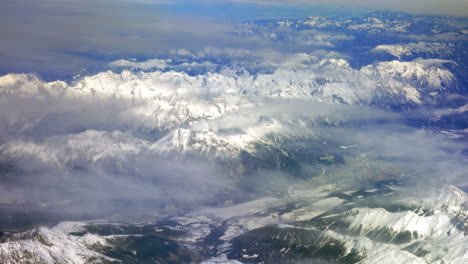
(95, 158)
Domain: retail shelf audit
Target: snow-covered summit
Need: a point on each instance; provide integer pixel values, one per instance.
(44, 245)
(426, 49)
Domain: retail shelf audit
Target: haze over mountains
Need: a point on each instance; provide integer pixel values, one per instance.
(340, 139)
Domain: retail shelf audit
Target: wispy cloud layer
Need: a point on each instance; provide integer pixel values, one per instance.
(70, 36)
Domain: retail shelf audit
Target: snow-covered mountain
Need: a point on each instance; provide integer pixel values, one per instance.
(196, 111)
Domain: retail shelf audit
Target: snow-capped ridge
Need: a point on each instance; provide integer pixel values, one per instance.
(328, 80)
(366, 220)
(451, 198)
(43, 245)
(416, 49)
(144, 65)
